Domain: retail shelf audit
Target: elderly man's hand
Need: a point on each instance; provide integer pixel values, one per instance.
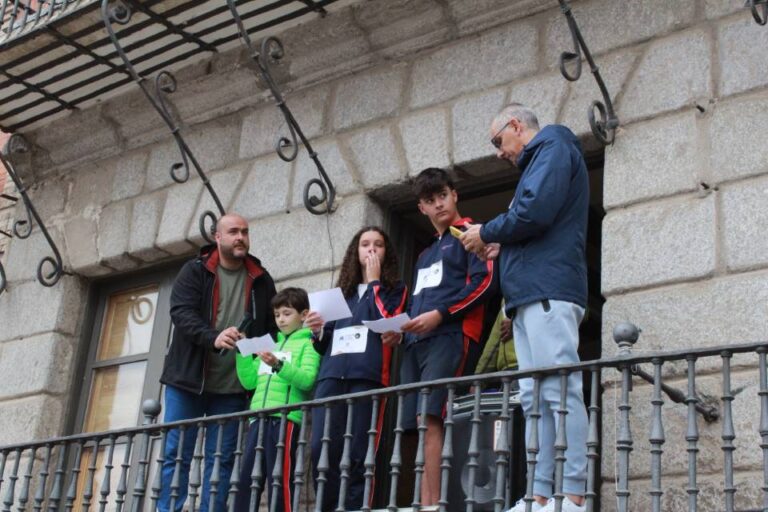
(471, 239)
(491, 252)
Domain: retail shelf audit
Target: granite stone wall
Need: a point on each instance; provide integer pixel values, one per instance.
(384, 89)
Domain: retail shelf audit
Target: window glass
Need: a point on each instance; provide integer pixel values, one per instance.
(115, 397)
(128, 323)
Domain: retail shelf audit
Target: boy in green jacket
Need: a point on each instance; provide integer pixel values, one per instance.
(285, 376)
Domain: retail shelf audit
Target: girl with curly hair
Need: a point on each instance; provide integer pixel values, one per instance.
(354, 359)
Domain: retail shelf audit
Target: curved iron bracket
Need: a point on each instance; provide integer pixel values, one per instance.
(22, 228)
(602, 117)
(271, 51)
(760, 18)
(164, 83)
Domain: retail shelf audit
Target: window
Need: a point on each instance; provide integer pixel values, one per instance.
(131, 330)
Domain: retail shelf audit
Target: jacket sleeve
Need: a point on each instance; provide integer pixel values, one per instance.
(185, 307)
(544, 191)
(322, 344)
(302, 376)
(480, 287)
(388, 302)
(247, 370)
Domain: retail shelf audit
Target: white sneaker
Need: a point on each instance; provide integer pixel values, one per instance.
(520, 506)
(568, 506)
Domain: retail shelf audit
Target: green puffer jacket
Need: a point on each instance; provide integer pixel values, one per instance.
(292, 384)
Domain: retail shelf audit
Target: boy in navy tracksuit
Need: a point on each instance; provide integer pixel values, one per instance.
(447, 310)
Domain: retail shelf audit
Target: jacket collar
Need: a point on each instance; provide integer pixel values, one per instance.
(209, 255)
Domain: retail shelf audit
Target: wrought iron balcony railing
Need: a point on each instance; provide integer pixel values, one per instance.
(84, 472)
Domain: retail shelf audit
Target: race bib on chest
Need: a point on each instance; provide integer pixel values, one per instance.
(350, 340)
(429, 277)
(265, 369)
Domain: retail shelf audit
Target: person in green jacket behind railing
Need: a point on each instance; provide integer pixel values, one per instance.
(283, 377)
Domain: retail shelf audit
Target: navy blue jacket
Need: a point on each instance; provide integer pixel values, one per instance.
(543, 234)
(467, 283)
(373, 364)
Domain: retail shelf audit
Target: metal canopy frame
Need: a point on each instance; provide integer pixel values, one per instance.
(78, 65)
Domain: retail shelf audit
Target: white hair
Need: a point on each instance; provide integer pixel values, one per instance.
(520, 112)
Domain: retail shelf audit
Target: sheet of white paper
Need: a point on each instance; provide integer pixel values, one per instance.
(330, 304)
(250, 346)
(387, 324)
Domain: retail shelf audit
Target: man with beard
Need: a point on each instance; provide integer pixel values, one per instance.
(219, 297)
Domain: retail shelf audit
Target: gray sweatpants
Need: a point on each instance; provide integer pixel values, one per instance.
(547, 338)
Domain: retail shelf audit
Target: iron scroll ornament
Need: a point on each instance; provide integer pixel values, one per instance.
(287, 148)
(22, 228)
(602, 117)
(760, 18)
(164, 83)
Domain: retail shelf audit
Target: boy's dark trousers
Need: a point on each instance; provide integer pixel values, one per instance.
(361, 424)
(270, 438)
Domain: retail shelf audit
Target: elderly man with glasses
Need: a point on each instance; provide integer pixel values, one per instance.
(540, 242)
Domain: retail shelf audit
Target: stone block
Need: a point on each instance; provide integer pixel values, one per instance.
(291, 244)
(222, 92)
(673, 73)
(265, 189)
(161, 158)
(725, 310)
(738, 44)
(262, 128)
(377, 157)
(145, 221)
(659, 242)
(472, 119)
(65, 144)
(654, 159)
(114, 235)
(180, 204)
(735, 130)
(475, 63)
(675, 498)
(746, 414)
(543, 94)
(614, 68)
(91, 189)
(33, 418)
(80, 234)
(48, 197)
(476, 15)
(215, 143)
(326, 46)
(137, 122)
(425, 140)
(335, 167)
(38, 364)
(312, 282)
(718, 8)
(21, 313)
(295, 244)
(24, 255)
(401, 27)
(226, 184)
(744, 215)
(368, 96)
(606, 24)
(129, 174)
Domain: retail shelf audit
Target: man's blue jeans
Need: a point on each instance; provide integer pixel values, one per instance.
(184, 405)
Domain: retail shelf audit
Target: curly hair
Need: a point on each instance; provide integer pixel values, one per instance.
(351, 273)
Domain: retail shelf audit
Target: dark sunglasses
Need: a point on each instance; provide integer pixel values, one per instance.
(496, 140)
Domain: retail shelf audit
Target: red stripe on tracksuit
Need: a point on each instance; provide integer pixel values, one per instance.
(477, 292)
(287, 467)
